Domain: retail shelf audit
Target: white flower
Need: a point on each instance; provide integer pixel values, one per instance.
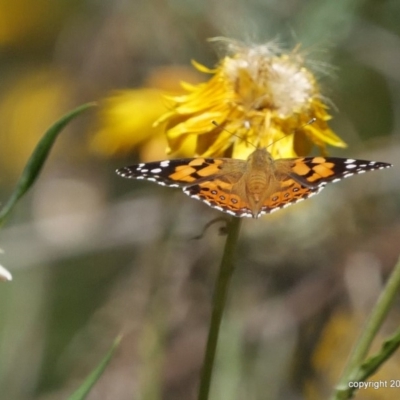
(5, 275)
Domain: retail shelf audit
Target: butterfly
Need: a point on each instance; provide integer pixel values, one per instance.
(252, 187)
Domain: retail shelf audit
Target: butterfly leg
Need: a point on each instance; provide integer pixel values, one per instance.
(222, 229)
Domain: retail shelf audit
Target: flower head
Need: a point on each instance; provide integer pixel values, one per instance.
(258, 95)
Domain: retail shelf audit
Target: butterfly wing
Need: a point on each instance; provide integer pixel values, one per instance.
(175, 173)
(207, 179)
(313, 172)
(218, 194)
(302, 178)
(291, 192)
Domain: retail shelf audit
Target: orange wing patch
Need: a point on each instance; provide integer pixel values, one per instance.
(184, 173)
(324, 170)
(301, 168)
(196, 169)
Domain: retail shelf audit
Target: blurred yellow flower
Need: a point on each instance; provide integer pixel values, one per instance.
(28, 105)
(257, 95)
(125, 121)
(126, 117)
(28, 25)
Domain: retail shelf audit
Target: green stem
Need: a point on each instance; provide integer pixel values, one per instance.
(371, 328)
(220, 293)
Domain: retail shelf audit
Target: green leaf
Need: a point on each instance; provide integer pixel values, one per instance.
(90, 381)
(359, 368)
(37, 159)
(371, 365)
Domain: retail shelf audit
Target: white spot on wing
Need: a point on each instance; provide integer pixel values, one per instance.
(164, 163)
(350, 161)
(156, 170)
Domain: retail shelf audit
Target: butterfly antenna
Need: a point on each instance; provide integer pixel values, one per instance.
(311, 121)
(233, 134)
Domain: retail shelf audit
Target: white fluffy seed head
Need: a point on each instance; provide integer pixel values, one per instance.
(280, 80)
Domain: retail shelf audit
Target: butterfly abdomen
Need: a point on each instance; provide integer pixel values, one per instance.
(256, 185)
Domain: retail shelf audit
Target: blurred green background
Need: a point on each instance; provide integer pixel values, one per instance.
(94, 256)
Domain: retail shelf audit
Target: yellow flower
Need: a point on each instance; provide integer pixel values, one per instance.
(258, 96)
(125, 121)
(126, 117)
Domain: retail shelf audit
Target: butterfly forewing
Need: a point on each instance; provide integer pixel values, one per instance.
(175, 173)
(318, 171)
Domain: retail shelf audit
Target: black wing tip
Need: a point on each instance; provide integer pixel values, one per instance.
(381, 165)
(125, 172)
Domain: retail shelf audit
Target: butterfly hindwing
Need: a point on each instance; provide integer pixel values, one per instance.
(291, 193)
(217, 194)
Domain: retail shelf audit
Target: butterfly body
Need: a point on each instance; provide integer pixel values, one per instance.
(258, 179)
(252, 187)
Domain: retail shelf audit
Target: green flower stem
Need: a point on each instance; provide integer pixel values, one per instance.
(220, 293)
(371, 328)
